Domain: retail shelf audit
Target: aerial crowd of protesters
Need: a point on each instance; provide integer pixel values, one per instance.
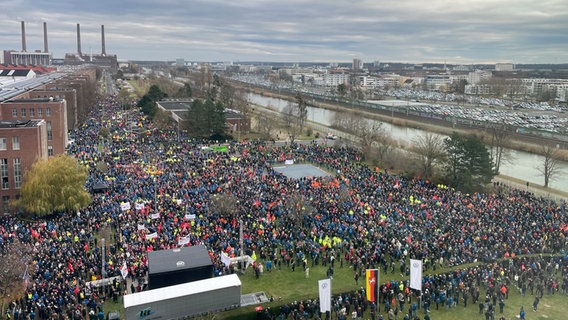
(164, 189)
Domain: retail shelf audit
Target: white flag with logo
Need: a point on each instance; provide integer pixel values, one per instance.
(325, 295)
(139, 206)
(124, 270)
(155, 216)
(416, 274)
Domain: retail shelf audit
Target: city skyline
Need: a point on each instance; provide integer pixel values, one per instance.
(456, 32)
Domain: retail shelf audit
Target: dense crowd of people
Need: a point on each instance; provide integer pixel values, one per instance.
(161, 189)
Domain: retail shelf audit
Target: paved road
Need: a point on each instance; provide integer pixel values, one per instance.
(552, 194)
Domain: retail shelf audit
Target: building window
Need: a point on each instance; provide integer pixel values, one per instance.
(4, 173)
(39, 112)
(15, 143)
(14, 112)
(50, 150)
(3, 144)
(32, 112)
(17, 172)
(48, 112)
(49, 132)
(6, 204)
(23, 112)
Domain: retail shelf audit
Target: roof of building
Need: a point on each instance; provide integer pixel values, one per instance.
(42, 100)
(172, 105)
(10, 90)
(178, 259)
(7, 124)
(15, 72)
(36, 68)
(232, 115)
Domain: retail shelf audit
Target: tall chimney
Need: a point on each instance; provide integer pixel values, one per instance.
(79, 40)
(23, 37)
(103, 38)
(45, 38)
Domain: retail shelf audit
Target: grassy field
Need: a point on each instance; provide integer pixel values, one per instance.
(286, 286)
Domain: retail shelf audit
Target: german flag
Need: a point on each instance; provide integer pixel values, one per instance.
(372, 281)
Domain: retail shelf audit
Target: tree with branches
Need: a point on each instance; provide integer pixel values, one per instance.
(430, 151)
(55, 184)
(291, 121)
(16, 266)
(371, 135)
(469, 166)
(500, 137)
(549, 168)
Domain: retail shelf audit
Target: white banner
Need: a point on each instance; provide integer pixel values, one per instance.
(416, 274)
(152, 236)
(325, 295)
(155, 216)
(139, 205)
(125, 206)
(141, 227)
(183, 241)
(190, 217)
(289, 161)
(124, 270)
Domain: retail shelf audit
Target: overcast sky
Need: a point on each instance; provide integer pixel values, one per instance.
(452, 31)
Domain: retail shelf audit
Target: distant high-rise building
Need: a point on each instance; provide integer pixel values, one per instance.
(504, 67)
(357, 64)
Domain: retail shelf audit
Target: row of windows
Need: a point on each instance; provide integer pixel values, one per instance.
(4, 175)
(15, 143)
(24, 113)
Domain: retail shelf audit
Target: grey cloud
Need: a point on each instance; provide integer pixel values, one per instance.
(300, 30)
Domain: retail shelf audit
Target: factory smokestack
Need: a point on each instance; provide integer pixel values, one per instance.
(103, 39)
(79, 40)
(45, 49)
(23, 37)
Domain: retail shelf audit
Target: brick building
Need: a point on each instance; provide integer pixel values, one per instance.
(52, 110)
(35, 117)
(69, 95)
(22, 142)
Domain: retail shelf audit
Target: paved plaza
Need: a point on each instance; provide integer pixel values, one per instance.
(297, 171)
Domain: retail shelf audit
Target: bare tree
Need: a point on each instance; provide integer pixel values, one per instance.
(291, 119)
(549, 167)
(430, 150)
(371, 134)
(500, 137)
(265, 123)
(515, 88)
(224, 204)
(302, 111)
(15, 269)
(296, 208)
